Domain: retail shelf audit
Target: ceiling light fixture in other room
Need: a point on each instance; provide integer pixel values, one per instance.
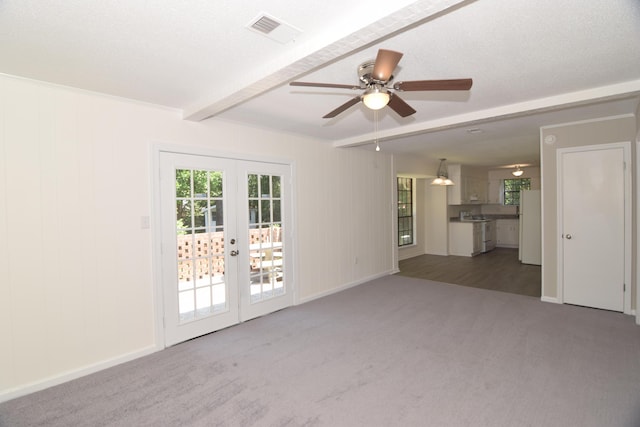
(517, 172)
(376, 97)
(442, 177)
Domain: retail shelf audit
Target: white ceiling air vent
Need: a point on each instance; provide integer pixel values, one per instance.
(273, 28)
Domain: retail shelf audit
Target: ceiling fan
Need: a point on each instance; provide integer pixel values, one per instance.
(375, 79)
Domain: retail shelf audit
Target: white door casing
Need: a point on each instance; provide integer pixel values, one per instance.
(594, 226)
(230, 259)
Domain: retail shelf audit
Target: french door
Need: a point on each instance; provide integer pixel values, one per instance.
(225, 242)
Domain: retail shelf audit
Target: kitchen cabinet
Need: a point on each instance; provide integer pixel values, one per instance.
(507, 233)
(469, 186)
(456, 193)
(495, 191)
(476, 189)
(465, 238)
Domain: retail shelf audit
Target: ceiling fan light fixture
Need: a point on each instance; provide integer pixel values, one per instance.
(517, 172)
(376, 97)
(442, 176)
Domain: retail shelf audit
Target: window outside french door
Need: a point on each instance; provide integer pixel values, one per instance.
(223, 242)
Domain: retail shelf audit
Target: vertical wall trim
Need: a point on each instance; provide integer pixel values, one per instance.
(543, 297)
(637, 193)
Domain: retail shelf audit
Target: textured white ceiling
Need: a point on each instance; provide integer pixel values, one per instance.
(533, 64)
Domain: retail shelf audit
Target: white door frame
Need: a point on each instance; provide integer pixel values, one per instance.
(637, 232)
(155, 222)
(626, 149)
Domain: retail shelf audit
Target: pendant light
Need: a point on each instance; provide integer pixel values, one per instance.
(518, 171)
(442, 177)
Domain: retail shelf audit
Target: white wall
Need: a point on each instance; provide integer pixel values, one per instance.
(437, 220)
(76, 284)
(415, 166)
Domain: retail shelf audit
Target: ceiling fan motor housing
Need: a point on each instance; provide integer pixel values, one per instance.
(365, 74)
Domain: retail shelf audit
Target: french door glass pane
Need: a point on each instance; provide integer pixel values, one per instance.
(265, 237)
(277, 215)
(275, 180)
(201, 287)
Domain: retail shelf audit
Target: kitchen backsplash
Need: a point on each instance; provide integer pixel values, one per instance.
(498, 210)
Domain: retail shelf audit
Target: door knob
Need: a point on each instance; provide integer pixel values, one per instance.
(234, 253)
(568, 236)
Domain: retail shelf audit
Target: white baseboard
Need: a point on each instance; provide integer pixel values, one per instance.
(556, 301)
(440, 253)
(346, 286)
(51, 381)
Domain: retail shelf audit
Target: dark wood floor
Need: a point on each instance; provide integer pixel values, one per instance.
(498, 270)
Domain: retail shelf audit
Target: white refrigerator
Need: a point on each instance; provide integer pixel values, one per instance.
(530, 245)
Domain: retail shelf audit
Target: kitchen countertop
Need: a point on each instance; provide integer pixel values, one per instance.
(485, 218)
(502, 216)
(469, 220)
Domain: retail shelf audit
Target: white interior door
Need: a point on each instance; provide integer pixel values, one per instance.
(592, 203)
(224, 240)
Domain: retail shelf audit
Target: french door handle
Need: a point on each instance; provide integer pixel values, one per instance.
(568, 236)
(234, 253)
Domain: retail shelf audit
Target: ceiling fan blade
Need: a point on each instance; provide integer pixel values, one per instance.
(452, 84)
(399, 106)
(386, 62)
(330, 85)
(343, 107)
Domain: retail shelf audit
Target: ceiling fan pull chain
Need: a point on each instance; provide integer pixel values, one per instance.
(375, 129)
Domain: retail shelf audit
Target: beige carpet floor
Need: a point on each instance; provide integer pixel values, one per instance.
(396, 351)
